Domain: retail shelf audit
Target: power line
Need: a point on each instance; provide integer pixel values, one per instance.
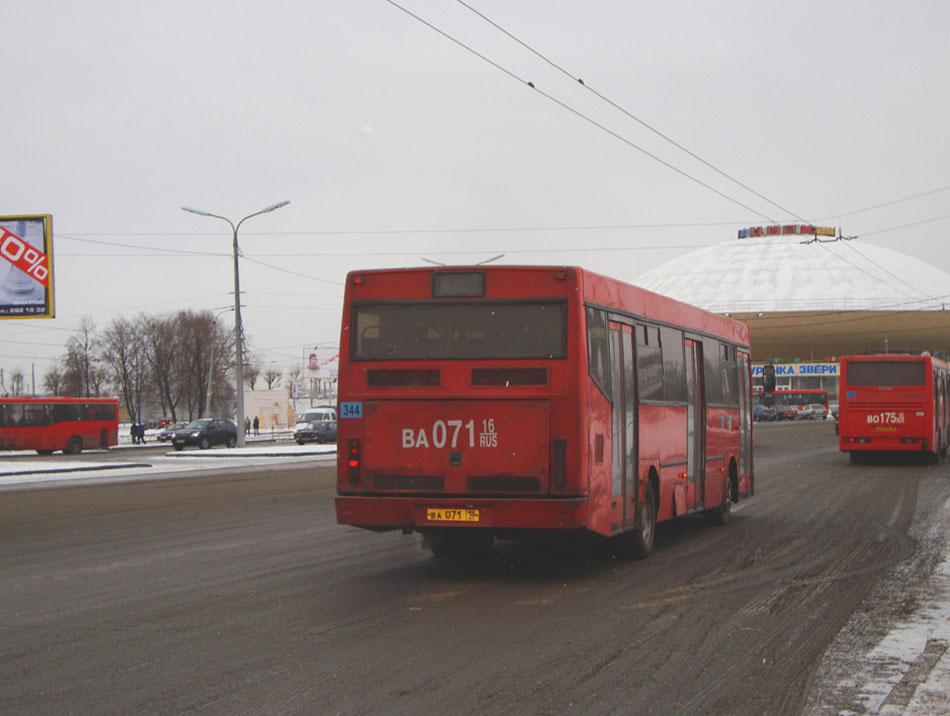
(150, 248)
(578, 113)
(627, 113)
(906, 226)
(78, 236)
(294, 273)
(886, 203)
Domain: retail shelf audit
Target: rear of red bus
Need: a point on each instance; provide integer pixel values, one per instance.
(458, 401)
(891, 403)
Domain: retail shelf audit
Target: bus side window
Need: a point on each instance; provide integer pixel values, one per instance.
(597, 363)
(649, 362)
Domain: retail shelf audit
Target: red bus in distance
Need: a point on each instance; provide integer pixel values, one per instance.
(894, 403)
(484, 402)
(67, 424)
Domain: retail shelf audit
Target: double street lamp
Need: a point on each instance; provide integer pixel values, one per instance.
(238, 332)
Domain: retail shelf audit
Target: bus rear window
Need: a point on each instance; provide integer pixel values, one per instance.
(459, 331)
(894, 373)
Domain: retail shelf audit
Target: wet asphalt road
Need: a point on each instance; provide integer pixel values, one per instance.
(237, 593)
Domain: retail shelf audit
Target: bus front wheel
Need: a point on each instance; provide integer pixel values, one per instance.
(74, 446)
(719, 515)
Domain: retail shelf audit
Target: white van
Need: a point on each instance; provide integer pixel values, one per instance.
(320, 416)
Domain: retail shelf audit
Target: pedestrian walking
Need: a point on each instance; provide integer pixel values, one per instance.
(257, 426)
(247, 426)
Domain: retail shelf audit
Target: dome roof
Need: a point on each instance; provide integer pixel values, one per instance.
(791, 273)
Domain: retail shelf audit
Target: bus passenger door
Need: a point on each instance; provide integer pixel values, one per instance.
(695, 425)
(745, 416)
(623, 490)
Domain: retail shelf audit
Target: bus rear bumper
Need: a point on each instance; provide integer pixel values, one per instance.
(889, 445)
(392, 513)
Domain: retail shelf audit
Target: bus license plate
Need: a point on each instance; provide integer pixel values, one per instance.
(451, 515)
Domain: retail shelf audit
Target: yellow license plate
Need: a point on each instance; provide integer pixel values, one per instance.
(451, 515)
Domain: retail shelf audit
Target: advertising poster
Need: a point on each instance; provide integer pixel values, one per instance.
(321, 363)
(26, 266)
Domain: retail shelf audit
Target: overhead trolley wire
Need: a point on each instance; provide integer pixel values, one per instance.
(576, 112)
(626, 112)
(889, 203)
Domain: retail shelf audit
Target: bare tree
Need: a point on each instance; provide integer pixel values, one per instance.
(221, 362)
(205, 350)
(122, 352)
(53, 381)
(82, 377)
(294, 372)
(165, 361)
(252, 370)
(272, 378)
(160, 349)
(17, 381)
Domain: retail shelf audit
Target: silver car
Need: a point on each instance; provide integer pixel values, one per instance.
(812, 411)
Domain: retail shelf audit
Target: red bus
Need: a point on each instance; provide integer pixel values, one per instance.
(67, 424)
(483, 402)
(894, 403)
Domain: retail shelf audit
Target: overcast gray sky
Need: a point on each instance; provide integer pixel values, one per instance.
(394, 143)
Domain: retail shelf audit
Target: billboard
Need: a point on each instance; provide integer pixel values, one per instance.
(26, 266)
(322, 363)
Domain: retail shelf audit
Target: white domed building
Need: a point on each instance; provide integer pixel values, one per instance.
(811, 299)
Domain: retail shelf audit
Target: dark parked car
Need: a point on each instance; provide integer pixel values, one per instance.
(321, 432)
(206, 432)
(784, 412)
(762, 413)
(165, 434)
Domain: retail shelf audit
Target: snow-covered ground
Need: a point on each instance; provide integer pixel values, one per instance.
(26, 467)
(893, 656)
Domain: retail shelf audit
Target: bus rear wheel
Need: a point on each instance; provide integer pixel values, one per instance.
(638, 544)
(74, 446)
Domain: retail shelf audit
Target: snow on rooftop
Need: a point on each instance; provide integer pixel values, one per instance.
(789, 273)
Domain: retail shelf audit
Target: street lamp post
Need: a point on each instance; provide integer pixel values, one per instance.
(238, 349)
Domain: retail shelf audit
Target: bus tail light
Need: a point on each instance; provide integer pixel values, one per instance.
(859, 440)
(353, 460)
(560, 468)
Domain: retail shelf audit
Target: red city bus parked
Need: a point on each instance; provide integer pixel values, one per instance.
(894, 403)
(67, 424)
(481, 402)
